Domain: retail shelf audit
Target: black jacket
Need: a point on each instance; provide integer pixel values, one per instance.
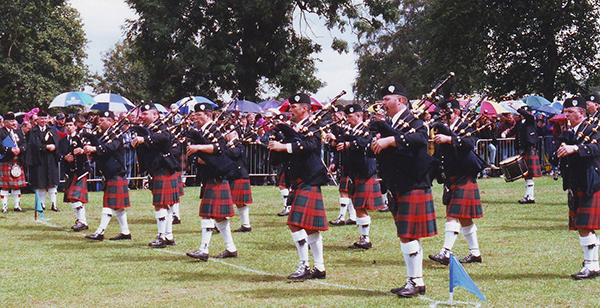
(457, 158)
(7, 151)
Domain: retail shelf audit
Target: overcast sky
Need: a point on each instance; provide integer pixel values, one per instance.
(103, 21)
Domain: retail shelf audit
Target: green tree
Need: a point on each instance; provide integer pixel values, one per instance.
(41, 52)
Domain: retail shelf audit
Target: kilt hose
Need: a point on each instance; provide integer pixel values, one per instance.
(7, 181)
(344, 184)
(308, 211)
(367, 194)
(216, 202)
(77, 190)
(165, 191)
(414, 214)
(116, 193)
(587, 215)
(241, 192)
(178, 174)
(533, 164)
(465, 201)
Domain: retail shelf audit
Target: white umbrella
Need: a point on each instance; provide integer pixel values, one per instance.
(72, 99)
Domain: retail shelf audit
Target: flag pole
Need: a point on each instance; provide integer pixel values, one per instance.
(451, 299)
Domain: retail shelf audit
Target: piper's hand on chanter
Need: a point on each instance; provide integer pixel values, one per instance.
(342, 146)
(276, 146)
(379, 145)
(50, 147)
(69, 157)
(441, 138)
(15, 151)
(565, 150)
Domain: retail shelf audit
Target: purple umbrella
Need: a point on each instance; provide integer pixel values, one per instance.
(268, 104)
(245, 106)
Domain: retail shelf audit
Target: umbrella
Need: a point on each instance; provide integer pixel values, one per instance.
(72, 99)
(268, 104)
(515, 104)
(245, 106)
(313, 102)
(161, 108)
(559, 118)
(557, 106)
(546, 109)
(194, 100)
(112, 102)
(491, 108)
(535, 101)
(114, 107)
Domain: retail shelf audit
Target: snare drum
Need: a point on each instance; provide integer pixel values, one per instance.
(513, 168)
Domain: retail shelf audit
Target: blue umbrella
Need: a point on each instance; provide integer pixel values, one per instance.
(245, 106)
(546, 109)
(191, 103)
(268, 104)
(114, 107)
(535, 101)
(557, 106)
(72, 99)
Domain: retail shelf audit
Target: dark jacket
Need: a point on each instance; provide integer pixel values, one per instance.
(110, 158)
(581, 170)
(43, 163)
(80, 164)
(7, 151)
(155, 153)
(356, 162)
(525, 133)
(237, 152)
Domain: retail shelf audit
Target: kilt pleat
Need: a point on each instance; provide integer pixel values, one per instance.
(415, 214)
(165, 189)
(216, 201)
(178, 175)
(344, 184)
(533, 164)
(7, 181)
(116, 193)
(587, 215)
(241, 192)
(77, 190)
(465, 201)
(308, 211)
(367, 194)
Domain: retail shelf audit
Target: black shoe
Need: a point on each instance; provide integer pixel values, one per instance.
(526, 200)
(158, 243)
(440, 258)
(337, 222)
(170, 242)
(216, 231)
(585, 273)
(243, 229)
(361, 244)
(227, 254)
(202, 256)
(302, 273)
(19, 209)
(385, 209)
(95, 236)
(350, 222)
(54, 208)
(176, 220)
(285, 212)
(409, 290)
(317, 274)
(471, 259)
(121, 236)
(43, 206)
(79, 226)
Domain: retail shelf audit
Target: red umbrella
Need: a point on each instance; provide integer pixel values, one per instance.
(559, 118)
(313, 102)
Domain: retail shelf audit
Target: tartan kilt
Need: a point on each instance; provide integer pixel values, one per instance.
(367, 194)
(216, 202)
(165, 189)
(344, 184)
(77, 190)
(180, 183)
(308, 211)
(241, 192)
(116, 193)
(465, 201)
(415, 214)
(280, 179)
(588, 213)
(533, 164)
(7, 181)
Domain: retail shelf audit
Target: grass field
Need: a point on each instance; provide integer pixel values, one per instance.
(528, 255)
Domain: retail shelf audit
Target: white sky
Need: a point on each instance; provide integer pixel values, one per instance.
(103, 21)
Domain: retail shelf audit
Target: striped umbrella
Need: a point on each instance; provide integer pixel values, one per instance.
(112, 102)
(72, 99)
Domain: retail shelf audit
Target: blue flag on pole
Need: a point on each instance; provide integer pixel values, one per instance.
(38, 204)
(460, 278)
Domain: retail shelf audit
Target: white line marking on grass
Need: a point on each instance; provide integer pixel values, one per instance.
(45, 222)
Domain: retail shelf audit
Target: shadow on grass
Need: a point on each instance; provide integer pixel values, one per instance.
(204, 276)
(289, 293)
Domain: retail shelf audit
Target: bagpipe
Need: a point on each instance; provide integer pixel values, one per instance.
(221, 163)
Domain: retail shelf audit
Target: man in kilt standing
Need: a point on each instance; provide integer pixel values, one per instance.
(77, 167)
(12, 176)
(306, 171)
(110, 159)
(361, 170)
(153, 145)
(579, 160)
(406, 167)
(42, 158)
(458, 169)
(526, 139)
(239, 183)
(206, 150)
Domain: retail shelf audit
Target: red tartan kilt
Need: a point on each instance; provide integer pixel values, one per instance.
(116, 193)
(308, 211)
(7, 180)
(344, 184)
(165, 191)
(367, 194)
(533, 164)
(216, 202)
(77, 191)
(415, 214)
(588, 213)
(180, 183)
(241, 192)
(465, 201)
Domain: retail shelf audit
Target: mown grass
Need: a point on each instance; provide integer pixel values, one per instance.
(528, 257)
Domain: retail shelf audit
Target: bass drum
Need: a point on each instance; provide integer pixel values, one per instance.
(513, 168)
